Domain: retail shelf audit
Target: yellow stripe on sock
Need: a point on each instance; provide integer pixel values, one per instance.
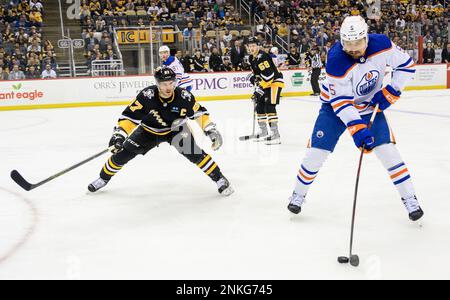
(107, 172)
(204, 161)
(214, 166)
(113, 165)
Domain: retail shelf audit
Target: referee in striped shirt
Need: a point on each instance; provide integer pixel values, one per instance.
(315, 64)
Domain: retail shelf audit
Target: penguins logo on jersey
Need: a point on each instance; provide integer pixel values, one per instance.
(368, 83)
(149, 94)
(186, 95)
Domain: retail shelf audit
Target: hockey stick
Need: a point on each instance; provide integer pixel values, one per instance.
(253, 135)
(18, 178)
(353, 258)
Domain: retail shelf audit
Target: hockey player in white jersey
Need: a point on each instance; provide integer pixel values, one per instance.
(355, 69)
(184, 81)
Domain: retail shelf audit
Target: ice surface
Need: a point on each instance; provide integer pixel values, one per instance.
(161, 218)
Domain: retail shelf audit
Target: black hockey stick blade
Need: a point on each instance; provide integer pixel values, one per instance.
(15, 175)
(248, 137)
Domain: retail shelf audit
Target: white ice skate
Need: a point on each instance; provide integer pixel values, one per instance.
(413, 207)
(97, 185)
(273, 139)
(224, 187)
(295, 203)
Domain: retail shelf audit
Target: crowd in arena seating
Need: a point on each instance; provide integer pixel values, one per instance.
(97, 16)
(305, 24)
(24, 54)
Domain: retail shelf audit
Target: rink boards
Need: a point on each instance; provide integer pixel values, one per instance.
(106, 91)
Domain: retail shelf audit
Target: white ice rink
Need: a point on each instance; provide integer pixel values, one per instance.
(161, 218)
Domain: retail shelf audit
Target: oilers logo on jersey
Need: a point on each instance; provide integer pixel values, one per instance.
(368, 83)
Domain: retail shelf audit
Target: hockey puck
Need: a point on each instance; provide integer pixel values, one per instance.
(343, 260)
(354, 260)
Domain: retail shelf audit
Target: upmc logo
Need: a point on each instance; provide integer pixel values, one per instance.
(368, 83)
(210, 84)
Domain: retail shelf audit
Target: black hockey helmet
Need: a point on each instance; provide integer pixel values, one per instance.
(165, 74)
(253, 40)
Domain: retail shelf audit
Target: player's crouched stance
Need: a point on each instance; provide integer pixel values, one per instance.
(354, 86)
(159, 115)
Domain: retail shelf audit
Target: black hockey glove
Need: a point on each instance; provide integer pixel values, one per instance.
(215, 136)
(118, 138)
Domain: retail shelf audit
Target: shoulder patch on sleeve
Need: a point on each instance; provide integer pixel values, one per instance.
(148, 93)
(186, 95)
(338, 62)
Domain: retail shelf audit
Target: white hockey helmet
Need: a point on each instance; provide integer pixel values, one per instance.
(164, 49)
(274, 50)
(354, 28)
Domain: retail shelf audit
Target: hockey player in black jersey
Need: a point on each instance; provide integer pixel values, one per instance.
(157, 115)
(268, 83)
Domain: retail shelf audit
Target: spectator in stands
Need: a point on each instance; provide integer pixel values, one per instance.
(105, 41)
(178, 16)
(237, 55)
(227, 64)
(36, 18)
(188, 32)
(215, 61)
(3, 74)
(153, 10)
(35, 47)
(293, 59)
(123, 23)
(120, 8)
(188, 62)
(130, 5)
(199, 62)
(90, 41)
(16, 73)
(445, 54)
(22, 22)
(189, 15)
(32, 73)
(48, 73)
(100, 24)
(428, 54)
(179, 55)
(227, 37)
(37, 4)
(49, 61)
(23, 7)
(163, 12)
(95, 8)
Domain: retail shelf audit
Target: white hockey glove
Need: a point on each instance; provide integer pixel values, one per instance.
(215, 136)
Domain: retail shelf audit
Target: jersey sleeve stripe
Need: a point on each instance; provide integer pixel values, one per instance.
(405, 64)
(341, 98)
(337, 105)
(342, 108)
(325, 96)
(406, 70)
